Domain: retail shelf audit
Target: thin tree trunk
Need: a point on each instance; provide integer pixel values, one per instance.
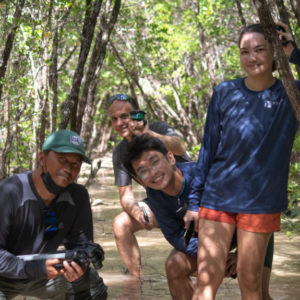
(100, 143)
(11, 132)
(282, 62)
(53, 78)
(206, 50)
(240, 11)
(9, 42)
(295, 4)
(86, 40)
(87, 101)
(44, 80)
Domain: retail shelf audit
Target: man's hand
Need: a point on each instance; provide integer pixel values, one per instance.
(138, 127)
(231, 265)
(51, 271)
(189, 216)
(73, 271)
(143, 220)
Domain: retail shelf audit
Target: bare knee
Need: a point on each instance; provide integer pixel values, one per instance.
(249, 280)
(122, 224)
(176, 268)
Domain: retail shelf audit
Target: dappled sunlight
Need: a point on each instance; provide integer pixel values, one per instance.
(155, 249)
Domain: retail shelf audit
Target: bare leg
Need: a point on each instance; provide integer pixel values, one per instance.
(179, 268)
(251, 253)
(124, 227)
(265, 283)
(214, 243)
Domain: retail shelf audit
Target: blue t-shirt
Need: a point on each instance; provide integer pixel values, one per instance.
(164, 208)
(244, 160)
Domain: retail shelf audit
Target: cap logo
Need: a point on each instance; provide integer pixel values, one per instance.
(75, 140)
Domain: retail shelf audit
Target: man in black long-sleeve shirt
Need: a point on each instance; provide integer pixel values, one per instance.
(41, 210)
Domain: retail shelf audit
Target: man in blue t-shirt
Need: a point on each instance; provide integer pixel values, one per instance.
(168, 185)
(131, 219)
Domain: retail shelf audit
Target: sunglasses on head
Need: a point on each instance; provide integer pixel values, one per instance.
(51, 224)
(122, 97)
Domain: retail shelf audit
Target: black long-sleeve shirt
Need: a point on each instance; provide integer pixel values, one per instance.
(22, 225)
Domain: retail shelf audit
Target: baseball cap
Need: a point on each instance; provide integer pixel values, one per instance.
(66, 141)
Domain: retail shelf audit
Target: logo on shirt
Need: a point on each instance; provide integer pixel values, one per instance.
(268, 103)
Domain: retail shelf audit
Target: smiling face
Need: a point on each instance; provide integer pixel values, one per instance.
(154, 169)
(119, 113)
(255, 55)
(62, 167)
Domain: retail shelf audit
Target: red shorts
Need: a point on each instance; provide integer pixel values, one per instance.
(248, 222)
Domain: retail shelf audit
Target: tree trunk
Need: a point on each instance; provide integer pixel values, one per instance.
(87, 37)
(9, 43)
(53, 78)
(206, 50)
(281, 60)
(295, 4)
(87, 101)
(9, 137)
(239, 7)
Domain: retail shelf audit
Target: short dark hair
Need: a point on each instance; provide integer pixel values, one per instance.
(138, 145)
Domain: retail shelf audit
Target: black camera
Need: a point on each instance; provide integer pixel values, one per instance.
(138, 115)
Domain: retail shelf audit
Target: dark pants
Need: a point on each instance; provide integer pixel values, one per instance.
(89, 287)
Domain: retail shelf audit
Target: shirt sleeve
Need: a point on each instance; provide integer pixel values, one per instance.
(295, 56)
(10, 265)
(207, 152)
(81, 232)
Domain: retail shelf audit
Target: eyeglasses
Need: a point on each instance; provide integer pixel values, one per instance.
(144, 173)
(122, 97)
(51, 224)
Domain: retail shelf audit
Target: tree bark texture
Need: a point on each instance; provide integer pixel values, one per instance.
(239, 7)
(86, 40)
(295, 4)
(281, 60)
(9, 42)
(87, 101)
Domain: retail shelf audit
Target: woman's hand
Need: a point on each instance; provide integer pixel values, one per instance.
(285, 37)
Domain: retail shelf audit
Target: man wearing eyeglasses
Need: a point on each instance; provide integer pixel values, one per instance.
(136, 215)
(168, 185)
(40, 211)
